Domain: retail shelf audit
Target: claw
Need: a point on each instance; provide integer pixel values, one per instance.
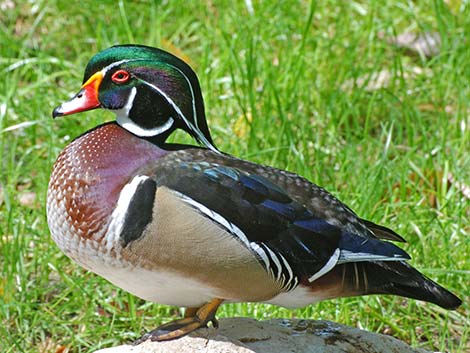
(215, 322)
(194, 318)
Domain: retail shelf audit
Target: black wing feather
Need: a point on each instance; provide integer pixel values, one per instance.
(267, 214)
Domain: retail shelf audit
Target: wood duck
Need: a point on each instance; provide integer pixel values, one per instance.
(193, 227)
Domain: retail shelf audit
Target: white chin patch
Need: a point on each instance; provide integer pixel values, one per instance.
(122, 118)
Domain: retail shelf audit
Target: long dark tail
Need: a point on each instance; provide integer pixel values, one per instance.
(393, 277)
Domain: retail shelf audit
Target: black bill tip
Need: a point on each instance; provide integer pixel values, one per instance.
(57, 112)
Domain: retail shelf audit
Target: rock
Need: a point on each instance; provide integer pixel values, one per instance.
(427, 44)
(244, 335)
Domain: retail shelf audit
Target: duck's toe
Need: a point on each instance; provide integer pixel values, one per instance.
(181, 327)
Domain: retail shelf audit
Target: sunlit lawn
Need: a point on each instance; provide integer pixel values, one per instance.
(316, 89)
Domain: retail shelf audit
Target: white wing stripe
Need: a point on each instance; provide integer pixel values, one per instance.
(261, 253)
(289, 269)
(275, 259)
(349, 256)
(328, 266)
(267, 256)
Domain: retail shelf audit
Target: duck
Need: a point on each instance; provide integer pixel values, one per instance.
(193, 227)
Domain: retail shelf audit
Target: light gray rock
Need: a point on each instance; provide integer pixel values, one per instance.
(244, 335)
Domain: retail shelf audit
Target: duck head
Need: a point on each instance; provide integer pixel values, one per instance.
(152, 93)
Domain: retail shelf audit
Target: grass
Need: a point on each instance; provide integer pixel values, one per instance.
(291, 84)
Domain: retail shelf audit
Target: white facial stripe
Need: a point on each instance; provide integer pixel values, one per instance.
(125, 121)
(130, 126)
(193, 99)
(122, 118)
(328, 266)
(117, 63)
(124, 111)
(181, 115)
(169, 100)
(122, 115)
(114, 64)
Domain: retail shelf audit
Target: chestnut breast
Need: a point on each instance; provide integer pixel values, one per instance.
(86, 181)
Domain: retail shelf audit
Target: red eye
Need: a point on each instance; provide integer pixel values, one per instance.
(120, 76)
